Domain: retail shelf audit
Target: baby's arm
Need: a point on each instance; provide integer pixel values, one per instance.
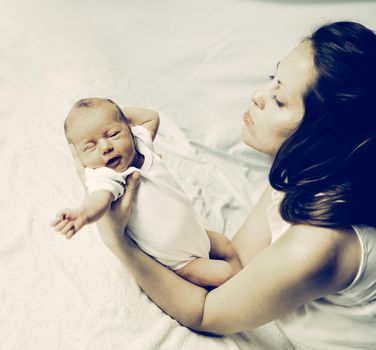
(142, 116)
(69, 221)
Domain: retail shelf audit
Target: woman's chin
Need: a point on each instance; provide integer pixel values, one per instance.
(251, 141)
(246, 136)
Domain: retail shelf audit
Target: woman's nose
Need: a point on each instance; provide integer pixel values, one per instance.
(258, 100)
(105, 146)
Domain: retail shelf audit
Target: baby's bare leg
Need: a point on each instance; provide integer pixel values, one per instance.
(213, 272)
(207, 272)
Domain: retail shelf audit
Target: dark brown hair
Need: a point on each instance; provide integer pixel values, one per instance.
(327, 166)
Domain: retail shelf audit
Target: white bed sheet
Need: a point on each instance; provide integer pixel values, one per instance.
(196, 62)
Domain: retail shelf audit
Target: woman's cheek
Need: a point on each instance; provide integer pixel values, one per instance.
(247, 136)
(270, 138)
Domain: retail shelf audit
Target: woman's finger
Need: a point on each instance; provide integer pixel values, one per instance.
(132, 183)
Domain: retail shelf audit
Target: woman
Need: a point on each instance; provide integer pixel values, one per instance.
(308, 248)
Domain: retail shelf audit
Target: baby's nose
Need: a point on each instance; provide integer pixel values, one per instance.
(106, 147)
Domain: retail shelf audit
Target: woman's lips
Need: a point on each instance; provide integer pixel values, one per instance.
(248, 119)
(113, 162)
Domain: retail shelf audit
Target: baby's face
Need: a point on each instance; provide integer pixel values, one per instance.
(101, 139)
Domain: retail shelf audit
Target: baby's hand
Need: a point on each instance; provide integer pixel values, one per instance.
(69, 221)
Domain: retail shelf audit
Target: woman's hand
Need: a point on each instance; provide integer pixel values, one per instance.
(112, 225)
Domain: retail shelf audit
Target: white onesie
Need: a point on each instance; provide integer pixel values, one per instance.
(163, 221)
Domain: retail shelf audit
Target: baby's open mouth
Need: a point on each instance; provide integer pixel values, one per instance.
(113, 162)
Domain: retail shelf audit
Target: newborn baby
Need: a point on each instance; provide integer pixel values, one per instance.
(112, 145)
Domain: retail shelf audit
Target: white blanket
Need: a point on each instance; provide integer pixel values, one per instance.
(195, 61)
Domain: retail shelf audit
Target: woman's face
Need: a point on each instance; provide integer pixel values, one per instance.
(277, 108)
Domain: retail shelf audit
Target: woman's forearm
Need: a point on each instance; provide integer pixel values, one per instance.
(179, 298)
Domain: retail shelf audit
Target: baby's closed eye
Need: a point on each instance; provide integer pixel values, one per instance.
(89, 147)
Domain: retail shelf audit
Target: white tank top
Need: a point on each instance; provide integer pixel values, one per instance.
(341, 321)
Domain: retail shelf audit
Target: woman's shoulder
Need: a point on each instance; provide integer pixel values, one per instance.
(327, 234)
(331, 253)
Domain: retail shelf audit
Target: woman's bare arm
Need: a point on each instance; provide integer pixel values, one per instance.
(178, 297)
(254, 235)
(297, 268)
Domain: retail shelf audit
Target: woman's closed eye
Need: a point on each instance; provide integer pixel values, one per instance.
(279, 103)
(274, 97)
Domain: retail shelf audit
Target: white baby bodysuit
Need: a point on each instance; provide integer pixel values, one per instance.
(163, 221)
(107, 179)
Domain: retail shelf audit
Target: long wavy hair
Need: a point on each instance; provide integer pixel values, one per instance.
(327, 167)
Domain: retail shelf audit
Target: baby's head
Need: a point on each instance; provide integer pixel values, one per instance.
(100, 133)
